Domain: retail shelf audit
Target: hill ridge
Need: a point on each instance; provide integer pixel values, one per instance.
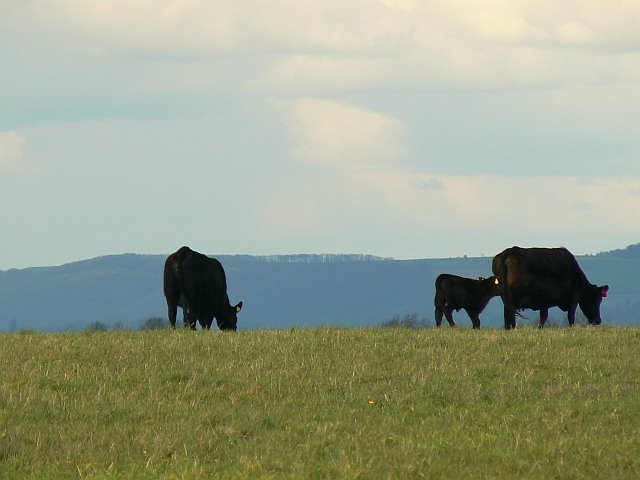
(278, 291)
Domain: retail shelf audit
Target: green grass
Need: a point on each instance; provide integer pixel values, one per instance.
(321, 403)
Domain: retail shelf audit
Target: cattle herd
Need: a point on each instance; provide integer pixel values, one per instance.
(525, 278)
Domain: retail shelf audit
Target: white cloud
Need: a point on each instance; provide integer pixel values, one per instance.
(11, 152)
(389, 213)
(563, 205)
(320, 46)
(598, 24)
(216, 26)
(366, 148)
(344, 25)
(500, 24)
(308, 74)
(342, 136)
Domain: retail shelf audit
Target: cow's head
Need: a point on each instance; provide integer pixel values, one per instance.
(490, 285)
(228, 319)
(590, 302)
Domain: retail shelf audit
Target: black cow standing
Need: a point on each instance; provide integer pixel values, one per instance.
(198, 284)
(540, 278)
(454, 292)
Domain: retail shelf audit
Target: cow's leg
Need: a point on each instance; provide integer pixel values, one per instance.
(544, 314)
(448, 313)
(439, 301)
(509, 318)
(439, 313)
(172, 309)
(571, 315)
(475, 318)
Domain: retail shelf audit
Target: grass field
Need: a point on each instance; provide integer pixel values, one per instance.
(321, 403)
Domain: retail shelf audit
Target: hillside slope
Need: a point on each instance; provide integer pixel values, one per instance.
(277, 291)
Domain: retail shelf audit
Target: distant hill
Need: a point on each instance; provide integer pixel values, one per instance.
(278, 291)
(632, 252)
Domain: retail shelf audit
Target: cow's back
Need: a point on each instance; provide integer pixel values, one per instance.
(454, 290)
(446, 285)
(204, 282)
(517, 265)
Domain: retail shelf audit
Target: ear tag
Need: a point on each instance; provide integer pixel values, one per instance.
(496, 281)
(237, 309)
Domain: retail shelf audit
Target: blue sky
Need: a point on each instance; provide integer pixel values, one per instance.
(411, 129)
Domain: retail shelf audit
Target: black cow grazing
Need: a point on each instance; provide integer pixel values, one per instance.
(454, 292)
(540, 278)
(198, 284)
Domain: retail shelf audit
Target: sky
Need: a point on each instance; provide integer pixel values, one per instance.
(398, 128)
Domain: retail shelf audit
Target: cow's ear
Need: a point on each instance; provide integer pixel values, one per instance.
(238, 307)
(603, 290)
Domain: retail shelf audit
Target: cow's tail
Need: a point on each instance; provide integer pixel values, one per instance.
(439, 301)
(501, 272)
